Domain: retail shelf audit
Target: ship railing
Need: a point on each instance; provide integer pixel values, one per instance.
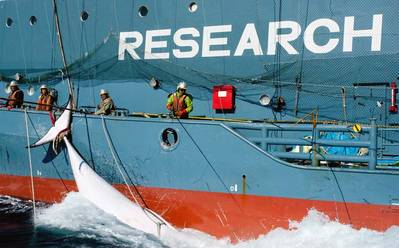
(273, 139)
(29, 105)
(83, 109)
(92, 109)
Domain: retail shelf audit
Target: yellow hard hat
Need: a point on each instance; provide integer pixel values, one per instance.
(357, 128)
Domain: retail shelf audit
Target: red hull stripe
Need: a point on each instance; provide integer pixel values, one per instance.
(221, 215)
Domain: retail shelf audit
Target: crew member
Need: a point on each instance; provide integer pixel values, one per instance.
(106, 106)
(180, 103)
(45, 101)
(16, 96)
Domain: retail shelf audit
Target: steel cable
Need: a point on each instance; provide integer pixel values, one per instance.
(119, 164)
(30, 163)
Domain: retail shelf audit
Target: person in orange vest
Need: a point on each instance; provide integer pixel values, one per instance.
(180, 103)
(45, 101)
(16, 96)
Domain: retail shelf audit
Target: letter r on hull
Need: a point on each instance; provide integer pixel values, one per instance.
(129, 47)
(283, 39)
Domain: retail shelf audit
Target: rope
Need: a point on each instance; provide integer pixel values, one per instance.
(30, 163)
(119, 164)
(339, 188)
(342, 194)
(112, 149)
(209, 163)
(315, 153)
(89, 143)
(343, 91)
(52, 163)
(57, 24)
(20, 35)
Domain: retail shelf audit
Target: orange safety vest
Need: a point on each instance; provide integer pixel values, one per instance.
(44, 99)
(14, 99)
(179, 104)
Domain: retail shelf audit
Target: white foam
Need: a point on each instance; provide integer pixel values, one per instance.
(78, 215)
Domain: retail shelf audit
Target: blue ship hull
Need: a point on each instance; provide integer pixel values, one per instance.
(272, 192)
(228, 173)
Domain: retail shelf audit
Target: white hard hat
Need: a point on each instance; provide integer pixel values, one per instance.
(102, 92)
(182, 85)
(43, 87)
(13, 83)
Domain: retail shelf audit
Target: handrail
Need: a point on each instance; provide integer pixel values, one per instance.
(322, 157)
(304, 142)
(55, 106)
(117, 112)
(34, 103)
(300, 127)
(275, 125)
(265, 141)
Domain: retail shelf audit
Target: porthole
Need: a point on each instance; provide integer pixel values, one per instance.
(32, 20)
(169, 138)
(84, 16)
(143, 11)
(9, 22)
(192, 7)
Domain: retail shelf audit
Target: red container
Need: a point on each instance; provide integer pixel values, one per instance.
(223, 97)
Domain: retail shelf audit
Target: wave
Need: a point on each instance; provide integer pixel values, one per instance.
(76, 216)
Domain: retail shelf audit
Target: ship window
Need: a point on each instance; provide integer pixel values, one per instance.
(84, 16)
(169, 138)
(143, 11)
(9, 22)
(193, 7)
(32, 20)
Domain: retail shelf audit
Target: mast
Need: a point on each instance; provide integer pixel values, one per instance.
(61, 44)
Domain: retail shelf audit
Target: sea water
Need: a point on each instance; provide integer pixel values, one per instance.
(75, 222)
